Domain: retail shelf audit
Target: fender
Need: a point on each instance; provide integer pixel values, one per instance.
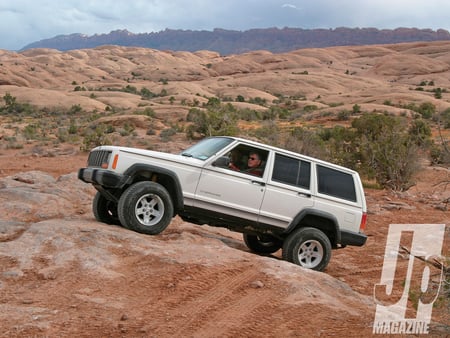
(314, 212)
(172, 184)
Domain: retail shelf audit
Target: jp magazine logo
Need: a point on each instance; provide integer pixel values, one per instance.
(406, 275)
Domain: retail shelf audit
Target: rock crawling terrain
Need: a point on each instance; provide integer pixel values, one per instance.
(62, 274)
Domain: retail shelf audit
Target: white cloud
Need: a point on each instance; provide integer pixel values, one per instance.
(289, 6)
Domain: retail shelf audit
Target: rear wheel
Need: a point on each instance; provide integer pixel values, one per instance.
(308, 247)
(104, 210)
(146, 207)
(263, 244)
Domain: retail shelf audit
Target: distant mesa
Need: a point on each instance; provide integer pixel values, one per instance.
(228, 42)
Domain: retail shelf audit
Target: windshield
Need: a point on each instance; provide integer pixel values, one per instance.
(207, 147)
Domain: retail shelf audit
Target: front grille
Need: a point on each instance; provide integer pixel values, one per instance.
(98, 157)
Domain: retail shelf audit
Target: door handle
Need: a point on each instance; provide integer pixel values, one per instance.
(258, 183)
(304, 194)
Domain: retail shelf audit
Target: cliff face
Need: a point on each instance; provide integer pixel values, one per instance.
(235, 42)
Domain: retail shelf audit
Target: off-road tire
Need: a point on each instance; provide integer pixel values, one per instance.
(307, 247)
(104, 210)
(262, 244)
(145, 207)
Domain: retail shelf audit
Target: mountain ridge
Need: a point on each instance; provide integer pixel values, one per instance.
(228, 42)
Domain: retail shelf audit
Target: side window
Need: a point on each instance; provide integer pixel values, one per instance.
(248, 160)
(336, 183)
(292, 171)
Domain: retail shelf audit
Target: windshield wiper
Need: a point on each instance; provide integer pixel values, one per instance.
(186, 154)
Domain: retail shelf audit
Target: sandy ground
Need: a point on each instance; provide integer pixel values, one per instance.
(206, 284)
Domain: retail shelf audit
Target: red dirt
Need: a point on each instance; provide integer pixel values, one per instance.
(152, 298)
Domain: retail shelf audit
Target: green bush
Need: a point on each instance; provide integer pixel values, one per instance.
(167, 133)
(387, 151)
(445, 118)
(16, 109)
(95, 137)
(218, 119)
(305, 141)
(240, 98)
(249, 115)
(147, 112)
(420, 132)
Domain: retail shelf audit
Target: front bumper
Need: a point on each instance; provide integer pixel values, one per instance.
(102, 177)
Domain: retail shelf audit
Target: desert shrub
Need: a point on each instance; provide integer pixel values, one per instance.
(387, 151)
(440, 154)
(31, 131)
(437, 93)
(249, 115)
(12, 143)
(195, 114)
(426, 109)
(95, 137)
(343, 115)
(213, 102)
(147, 94)
(310, 107)
(218, 119)
(147, 112)
(126, 130)
(268, 133)
(73, 129)
(258, 100)
(271, 114)
(75, 109)
(283, 113)
(305, 141)
(167, 133)
(356, 109)
(444, 118)
(14, 108)
(340, 145)
(130, 89)
(420, 132)
(62, 135)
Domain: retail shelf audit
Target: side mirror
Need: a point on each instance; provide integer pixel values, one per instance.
(222, 162)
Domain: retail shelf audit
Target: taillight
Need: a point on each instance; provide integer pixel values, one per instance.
(362, 226)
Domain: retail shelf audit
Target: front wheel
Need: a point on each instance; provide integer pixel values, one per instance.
(262, 244)
(104, 210)
(146, 207)
(308, 247)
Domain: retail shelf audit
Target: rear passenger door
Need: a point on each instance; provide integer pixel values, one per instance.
(288, 191)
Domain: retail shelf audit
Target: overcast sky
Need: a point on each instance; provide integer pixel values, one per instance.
(26, 21)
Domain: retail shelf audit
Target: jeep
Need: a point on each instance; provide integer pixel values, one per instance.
(302, 205)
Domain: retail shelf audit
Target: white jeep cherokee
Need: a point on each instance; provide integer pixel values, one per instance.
(301, 204)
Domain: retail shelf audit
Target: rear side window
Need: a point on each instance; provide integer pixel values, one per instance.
(336, 183)
(292, 171)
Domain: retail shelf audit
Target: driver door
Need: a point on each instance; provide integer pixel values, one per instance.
(233, 193)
